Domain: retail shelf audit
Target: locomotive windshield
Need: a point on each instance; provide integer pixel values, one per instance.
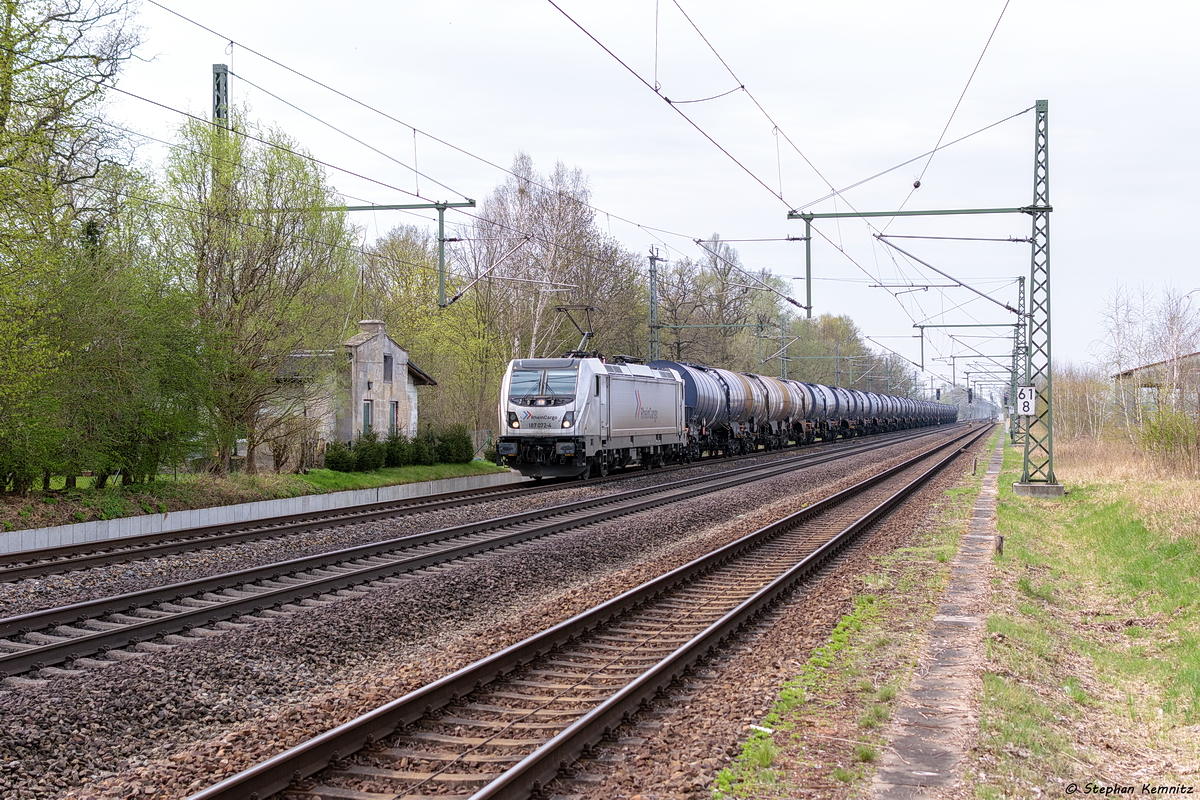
(530, 384)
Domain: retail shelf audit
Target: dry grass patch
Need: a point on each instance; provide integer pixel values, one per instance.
(1093, 664)
(1167, 503)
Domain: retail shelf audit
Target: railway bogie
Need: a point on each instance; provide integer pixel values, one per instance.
(576, 417)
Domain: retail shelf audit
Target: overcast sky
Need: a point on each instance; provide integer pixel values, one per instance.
(857, 88)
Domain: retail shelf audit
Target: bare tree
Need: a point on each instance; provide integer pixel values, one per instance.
(535, 246)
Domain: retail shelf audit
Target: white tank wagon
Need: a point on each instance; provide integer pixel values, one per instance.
(569, 417)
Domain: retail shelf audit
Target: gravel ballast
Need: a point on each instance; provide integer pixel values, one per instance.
(172, 721)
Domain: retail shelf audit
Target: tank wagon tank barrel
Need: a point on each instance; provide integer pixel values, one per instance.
(577, 416)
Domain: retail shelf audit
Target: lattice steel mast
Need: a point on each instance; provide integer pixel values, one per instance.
(1039, 432)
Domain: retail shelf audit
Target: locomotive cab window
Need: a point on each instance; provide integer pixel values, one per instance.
(545, 387)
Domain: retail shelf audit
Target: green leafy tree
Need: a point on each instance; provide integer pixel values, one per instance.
(57, 61)
(339, 458)
(129, 393)
(399, 450)
(271, 268)
(370, 454)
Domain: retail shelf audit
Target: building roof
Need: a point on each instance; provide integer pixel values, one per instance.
(1129, 373)
(361, 338)
(370, 328)
(419, 376)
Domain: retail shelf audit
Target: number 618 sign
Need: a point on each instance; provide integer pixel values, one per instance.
(1026, 401)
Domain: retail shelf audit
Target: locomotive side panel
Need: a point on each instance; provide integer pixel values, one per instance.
(643, 405)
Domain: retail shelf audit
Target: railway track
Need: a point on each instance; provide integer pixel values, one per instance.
(505, 726)
(157, 618)
(89, 555)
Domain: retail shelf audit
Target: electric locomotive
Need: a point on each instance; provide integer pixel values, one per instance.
(564, 417)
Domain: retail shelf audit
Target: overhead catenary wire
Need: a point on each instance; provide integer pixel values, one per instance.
(302, 155)
(651, 87)
(541, 238)
(353, 138)
(193, 151)
(700, 243)
(241, 223)
(970, 78)
(777, 130)
(205, 121)
(951, 277)
(753, 100)
(839, 192)
(648, 228)
(917, 183)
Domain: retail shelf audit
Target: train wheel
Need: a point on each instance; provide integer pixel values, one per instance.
(602, 466)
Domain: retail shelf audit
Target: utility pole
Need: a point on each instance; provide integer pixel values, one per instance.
(783, 361)
(1038, 475)
(221, 117)
(1020, 367)
(808, 266)
(441, 209)
(654, 327)
(221, 94)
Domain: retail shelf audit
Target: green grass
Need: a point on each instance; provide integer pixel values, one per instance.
(1101, 625)
(327, 480)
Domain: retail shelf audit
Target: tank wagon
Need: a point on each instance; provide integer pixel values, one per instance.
(578, 416)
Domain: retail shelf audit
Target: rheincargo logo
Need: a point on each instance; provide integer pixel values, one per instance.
(642, 412)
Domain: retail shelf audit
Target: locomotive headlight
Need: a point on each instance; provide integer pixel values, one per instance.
(568, 419)
(513, 422)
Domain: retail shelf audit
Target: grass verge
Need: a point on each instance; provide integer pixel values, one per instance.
(825, 731)
(64, 507)
(1093, 668)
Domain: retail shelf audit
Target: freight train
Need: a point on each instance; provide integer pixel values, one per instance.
(584, 416)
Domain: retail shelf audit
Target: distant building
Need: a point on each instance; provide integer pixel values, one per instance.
(336, 396)
(377, 386)
(1171, 384)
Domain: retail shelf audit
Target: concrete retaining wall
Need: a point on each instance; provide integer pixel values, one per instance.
(36, 538)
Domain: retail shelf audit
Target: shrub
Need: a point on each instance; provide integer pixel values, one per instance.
(338, 457)
(424, 448)
(399, 450)
(369, 452)
(454, 445)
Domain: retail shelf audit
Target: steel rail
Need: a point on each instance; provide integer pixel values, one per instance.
(25, 564)
(537, 769)
(205, 601)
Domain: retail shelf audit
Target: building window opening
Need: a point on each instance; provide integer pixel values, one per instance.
(367, 408)
(387, 369)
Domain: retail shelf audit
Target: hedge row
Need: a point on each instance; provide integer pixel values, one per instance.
(368, 452)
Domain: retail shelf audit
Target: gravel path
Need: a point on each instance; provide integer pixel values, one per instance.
(172, 721)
